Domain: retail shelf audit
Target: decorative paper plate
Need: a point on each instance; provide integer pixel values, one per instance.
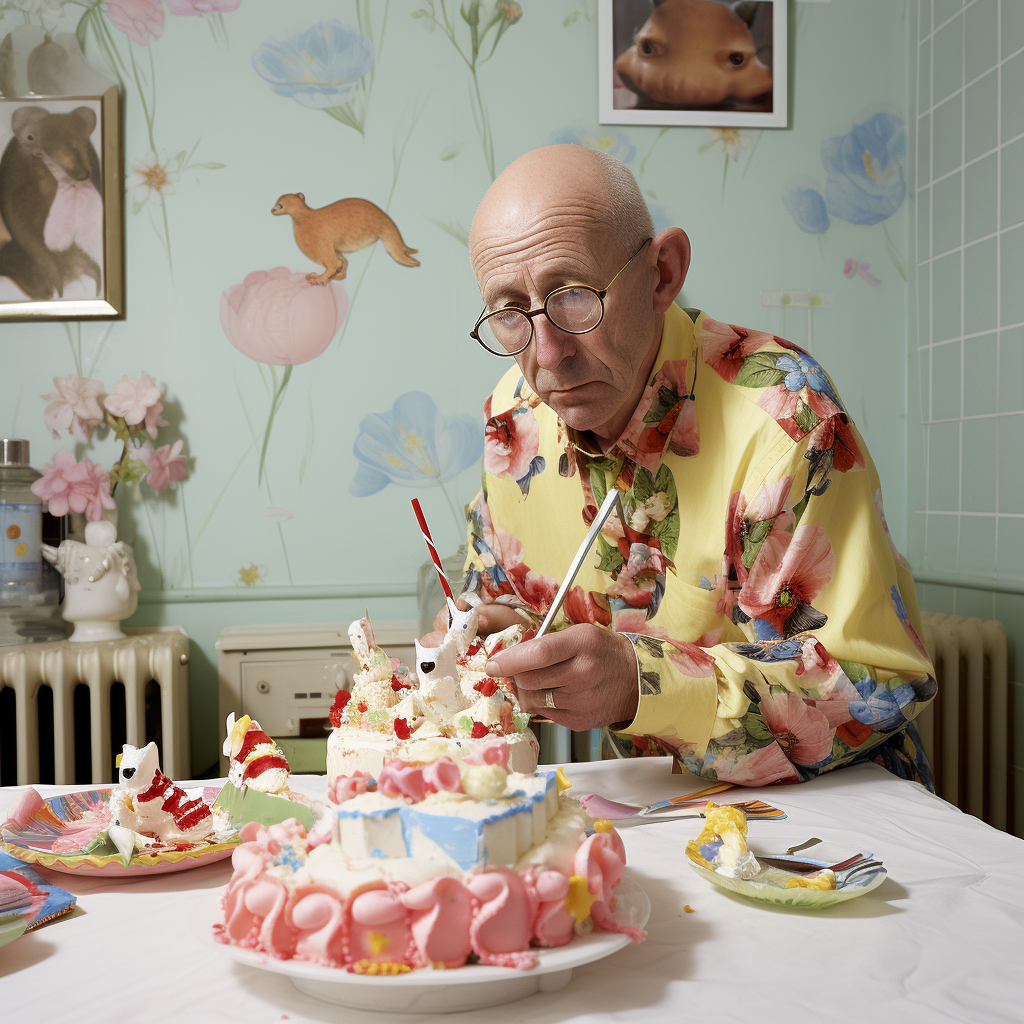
(769, 886)
(63, 818)
(426, 991)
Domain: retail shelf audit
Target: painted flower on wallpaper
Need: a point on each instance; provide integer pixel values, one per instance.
(278, 317)
(730, 143)
(413, 445)
(150, 179)
(192, 8)
(865, 170)
(317, 68)
(607, 140)
(807, 207)
(140, 20)
(857, 268)
(250, 574)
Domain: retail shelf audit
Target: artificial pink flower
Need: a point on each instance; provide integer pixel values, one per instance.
(154, 419)
(166, 465)
(133, 398)
(74, 406)
(138, 19)
(762, 767)
(90, 490)
(791, 570)
(278, 317)
(800, 729)
(197, 7)
(725, 346)
(55, 484)
(511, 442)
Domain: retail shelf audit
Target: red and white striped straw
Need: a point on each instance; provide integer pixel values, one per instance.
(434, 557)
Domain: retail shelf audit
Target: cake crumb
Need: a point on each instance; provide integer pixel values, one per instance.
(688, 909)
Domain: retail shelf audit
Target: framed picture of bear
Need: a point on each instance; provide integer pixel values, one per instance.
(719, 63)
(61, 202)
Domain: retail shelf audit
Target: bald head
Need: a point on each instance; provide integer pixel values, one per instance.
(566, 216)
(596, 190)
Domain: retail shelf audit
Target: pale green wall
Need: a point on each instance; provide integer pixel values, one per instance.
(966, 520)
(406, 328)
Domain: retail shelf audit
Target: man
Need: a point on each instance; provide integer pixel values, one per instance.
(752, 617)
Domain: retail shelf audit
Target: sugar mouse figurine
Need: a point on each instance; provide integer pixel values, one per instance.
(101, 583)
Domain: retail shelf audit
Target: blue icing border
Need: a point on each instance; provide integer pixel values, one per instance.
(460, 838)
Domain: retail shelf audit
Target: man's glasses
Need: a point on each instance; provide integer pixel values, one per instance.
(573, 308)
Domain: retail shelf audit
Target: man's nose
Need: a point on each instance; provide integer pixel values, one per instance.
(553, 345)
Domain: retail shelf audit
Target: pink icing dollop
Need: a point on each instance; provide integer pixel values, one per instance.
(493, 750)
(443, 774)
(379, 928)
(501, 927)
(441, 915)
(601, 859)
(553, 924)
(347, 786)
(319, 917)
(399, 778)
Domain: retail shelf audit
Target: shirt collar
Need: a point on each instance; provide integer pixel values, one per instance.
(659, 415)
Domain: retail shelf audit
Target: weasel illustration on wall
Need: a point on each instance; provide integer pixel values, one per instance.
(327, 233)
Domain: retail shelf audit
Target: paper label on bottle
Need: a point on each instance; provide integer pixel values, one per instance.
(21, 528)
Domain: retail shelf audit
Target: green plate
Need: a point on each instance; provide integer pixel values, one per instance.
(11, 927)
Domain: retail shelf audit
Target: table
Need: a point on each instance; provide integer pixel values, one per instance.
(939, 940)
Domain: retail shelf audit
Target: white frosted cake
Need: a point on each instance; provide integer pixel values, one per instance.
(431, 865)
(436, 710)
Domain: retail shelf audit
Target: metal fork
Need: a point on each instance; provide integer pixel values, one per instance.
(755, 810)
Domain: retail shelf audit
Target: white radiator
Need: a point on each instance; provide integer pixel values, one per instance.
(160, 655)
(966, 731)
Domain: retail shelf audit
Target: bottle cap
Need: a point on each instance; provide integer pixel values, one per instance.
(13, 451)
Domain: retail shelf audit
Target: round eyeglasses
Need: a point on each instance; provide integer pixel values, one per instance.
(573, 308)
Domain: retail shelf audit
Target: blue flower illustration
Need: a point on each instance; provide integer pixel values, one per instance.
(801, 369)
(609, 141)
(316, 68)
(865, 182)
(807, 207)
(880, 707)
(413, 445)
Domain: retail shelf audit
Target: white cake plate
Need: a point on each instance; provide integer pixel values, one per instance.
(427, 991)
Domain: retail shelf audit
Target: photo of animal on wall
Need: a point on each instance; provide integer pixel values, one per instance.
(51, 200)
(327, 233)
(693, 55)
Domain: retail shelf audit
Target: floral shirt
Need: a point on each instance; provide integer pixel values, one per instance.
(774, 621)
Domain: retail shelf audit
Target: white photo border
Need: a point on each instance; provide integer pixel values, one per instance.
(778, 117)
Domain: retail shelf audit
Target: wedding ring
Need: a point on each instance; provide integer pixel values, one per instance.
(549, 699)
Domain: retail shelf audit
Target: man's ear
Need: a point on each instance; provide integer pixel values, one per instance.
(672, 251)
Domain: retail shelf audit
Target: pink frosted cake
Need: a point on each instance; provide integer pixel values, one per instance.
(437, 864)
(438, 709)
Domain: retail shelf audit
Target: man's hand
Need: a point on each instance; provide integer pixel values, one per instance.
(491, 618)
(590, 671)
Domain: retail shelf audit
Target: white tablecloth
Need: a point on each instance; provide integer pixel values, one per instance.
(942, 939)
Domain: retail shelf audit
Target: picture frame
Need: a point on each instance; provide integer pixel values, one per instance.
(61, 207)
(693, 62)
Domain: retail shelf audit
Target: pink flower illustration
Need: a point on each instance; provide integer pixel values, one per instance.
(769, 504)
(511, 442)
(167, 466)
(74, 406)
(78, 486)
(198, 7)
(138, 19)
(133, 398)
(801, 730)
(791, 570)
(725, 346)
(638, 578)
(580, 606)
(690, 659)
(762, 767)
(645, 442)
(534, 589)
(278, 317)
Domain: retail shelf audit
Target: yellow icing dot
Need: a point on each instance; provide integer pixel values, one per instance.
(563, 780)
(580, 898)
(378, 943)
(372, 967)
(603, 825)
(688, 909)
